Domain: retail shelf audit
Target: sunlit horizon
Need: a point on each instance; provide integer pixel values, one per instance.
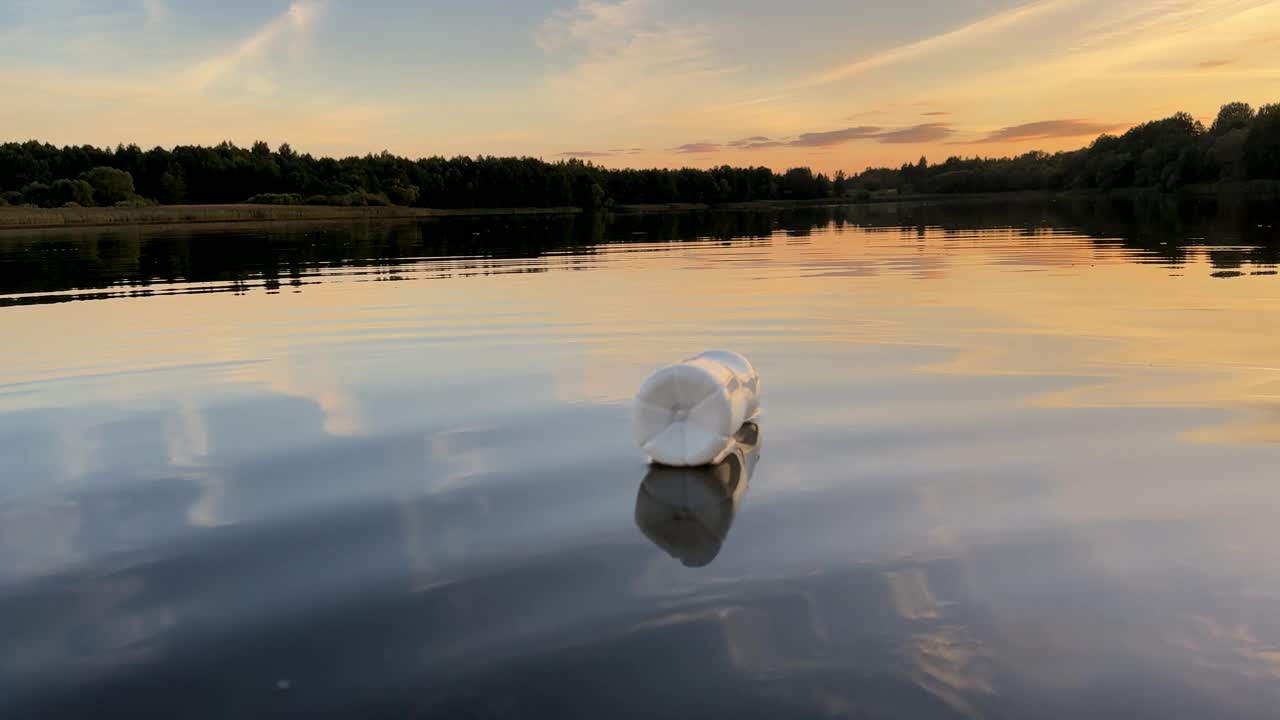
(630, 83)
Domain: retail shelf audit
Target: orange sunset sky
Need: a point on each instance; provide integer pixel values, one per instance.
(834, 84)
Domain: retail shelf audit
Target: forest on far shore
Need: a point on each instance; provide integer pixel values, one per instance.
(1241, 147)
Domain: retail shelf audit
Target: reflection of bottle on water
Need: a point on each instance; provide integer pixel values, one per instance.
(686, 415)
(688, 511)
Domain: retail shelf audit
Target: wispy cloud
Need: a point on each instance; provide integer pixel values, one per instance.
(1125, 21)
(928, 132)
(588, 24)
(1214, 64)
(836, 137)
(696, 148)
(622, 57)
(1046, 129)
(985, 27)
(936, 113)
(295, 22)
(1136, 50)
(613, 152)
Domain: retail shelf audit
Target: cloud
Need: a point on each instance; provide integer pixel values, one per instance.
(295, 22)
(588, 24)
(1046, 129)
(936, 113)
(1212, 64)
(1125, 21)
(890, 109)
(928, 132)
(835, 137)
(587, 154)
(618, 58)
(1141, 53)
(987, 26)
(696, 148)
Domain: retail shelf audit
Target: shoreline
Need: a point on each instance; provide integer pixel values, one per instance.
(26, 218)
(16, 219)
(23, 218)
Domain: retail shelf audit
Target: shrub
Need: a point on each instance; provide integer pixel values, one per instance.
(402, 194)
(36, 194)
(136, 202)
(351, 199)
(275, 199)
(110, 186)
(71, 192)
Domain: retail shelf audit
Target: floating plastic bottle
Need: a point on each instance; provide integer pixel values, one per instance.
(686, 415)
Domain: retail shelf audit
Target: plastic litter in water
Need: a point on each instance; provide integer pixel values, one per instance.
(686, 415)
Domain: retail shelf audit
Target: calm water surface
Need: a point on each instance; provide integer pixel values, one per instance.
(1014, 462)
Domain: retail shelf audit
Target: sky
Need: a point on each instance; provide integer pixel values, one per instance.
(831, 84)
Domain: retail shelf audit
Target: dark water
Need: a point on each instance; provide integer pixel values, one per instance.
(1015, 461)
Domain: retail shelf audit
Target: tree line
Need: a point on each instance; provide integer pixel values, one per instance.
(43, 175)
(1240, 146)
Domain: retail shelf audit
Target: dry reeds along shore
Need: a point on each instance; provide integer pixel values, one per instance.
(26, 217)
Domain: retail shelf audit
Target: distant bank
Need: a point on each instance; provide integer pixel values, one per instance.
(18, 218)
(23, 218)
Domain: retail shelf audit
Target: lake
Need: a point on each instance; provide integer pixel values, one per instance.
(1015, 460)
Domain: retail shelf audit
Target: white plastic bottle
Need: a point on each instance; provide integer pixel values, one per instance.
(686, 415)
